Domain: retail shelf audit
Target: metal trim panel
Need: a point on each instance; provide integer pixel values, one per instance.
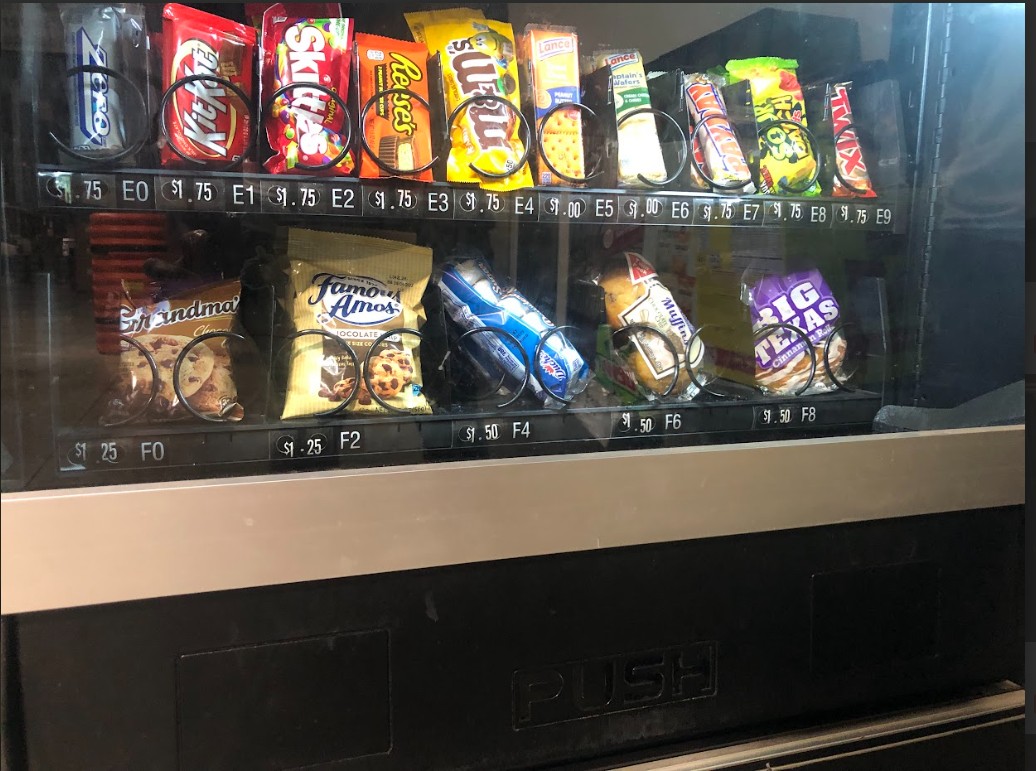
(998, 708)
(89, 546)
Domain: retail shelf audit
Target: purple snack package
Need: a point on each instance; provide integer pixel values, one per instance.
(804, 301)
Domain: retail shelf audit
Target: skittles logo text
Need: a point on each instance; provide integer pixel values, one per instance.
(310, 108)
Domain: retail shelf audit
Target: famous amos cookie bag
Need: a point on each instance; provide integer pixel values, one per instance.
(397, 127)
(306, 127)
(478, 59)
(161, 335)
(208, 124)
(355, 289)
(787, 156)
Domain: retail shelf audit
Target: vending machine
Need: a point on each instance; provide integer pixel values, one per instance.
(512, 386)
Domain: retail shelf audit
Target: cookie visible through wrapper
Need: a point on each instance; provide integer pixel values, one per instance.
(164, 329)
(356, 289)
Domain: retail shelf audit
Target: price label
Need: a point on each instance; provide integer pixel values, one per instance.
(174, 193)
(552, 206)
(350, 440)
(481, 205)
(716, 211)
(748, 212)
(134, 191)
(243, 195)
(343, 199)
(796, 213)
(94, 190)
(514, 431)
(438, 203)
(575, 208)
(111, 453)
(633, 423)
(523, 206)
(310, 198)
(602, 207)
(630, 209)
(55, 189)
(883, 218)
(775, 212)
(785, 415)
(206, 194)
(277, 196)
(313, 445)
(680, 210)
(656, 209)
(819, 215)
(284, 446)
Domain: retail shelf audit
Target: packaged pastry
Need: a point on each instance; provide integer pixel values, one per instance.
(164, 330)
(640, 153)
(100, 35)
(715, 143)
(848, 153)
(633, 294)
(306, 127)
(474, 299)
(787, 158)
(397, 127)
(207, 122)
(782, 360)
(478, 59)
(355, 289)
(551, 57)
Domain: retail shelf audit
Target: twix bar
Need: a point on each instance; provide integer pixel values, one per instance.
(848, 153)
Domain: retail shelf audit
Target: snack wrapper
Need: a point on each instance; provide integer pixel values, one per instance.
(782, 361)
(254, 12)
(633, 294)
(787, 158)
(848, 153)
(478, 58)
(207, 122)
(474, 299)
(306, 126)
(355, 288)
(398, 127)
(99, 35)
(715, 144)
(164, 329)
(639, 150)
(551, 56)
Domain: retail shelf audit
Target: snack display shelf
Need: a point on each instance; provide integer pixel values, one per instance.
(89, 452)
(245, 193)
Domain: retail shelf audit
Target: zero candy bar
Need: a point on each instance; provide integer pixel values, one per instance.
(97, 35)
(787, 158)
(306, 126)
(398, 127)
(207, 121)
(715, 142)
(478, 59)
(848, 154)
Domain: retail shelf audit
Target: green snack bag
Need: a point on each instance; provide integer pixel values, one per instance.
(787, 156)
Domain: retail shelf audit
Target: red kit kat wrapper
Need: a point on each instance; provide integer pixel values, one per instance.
(848, 154)
(207, 122)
